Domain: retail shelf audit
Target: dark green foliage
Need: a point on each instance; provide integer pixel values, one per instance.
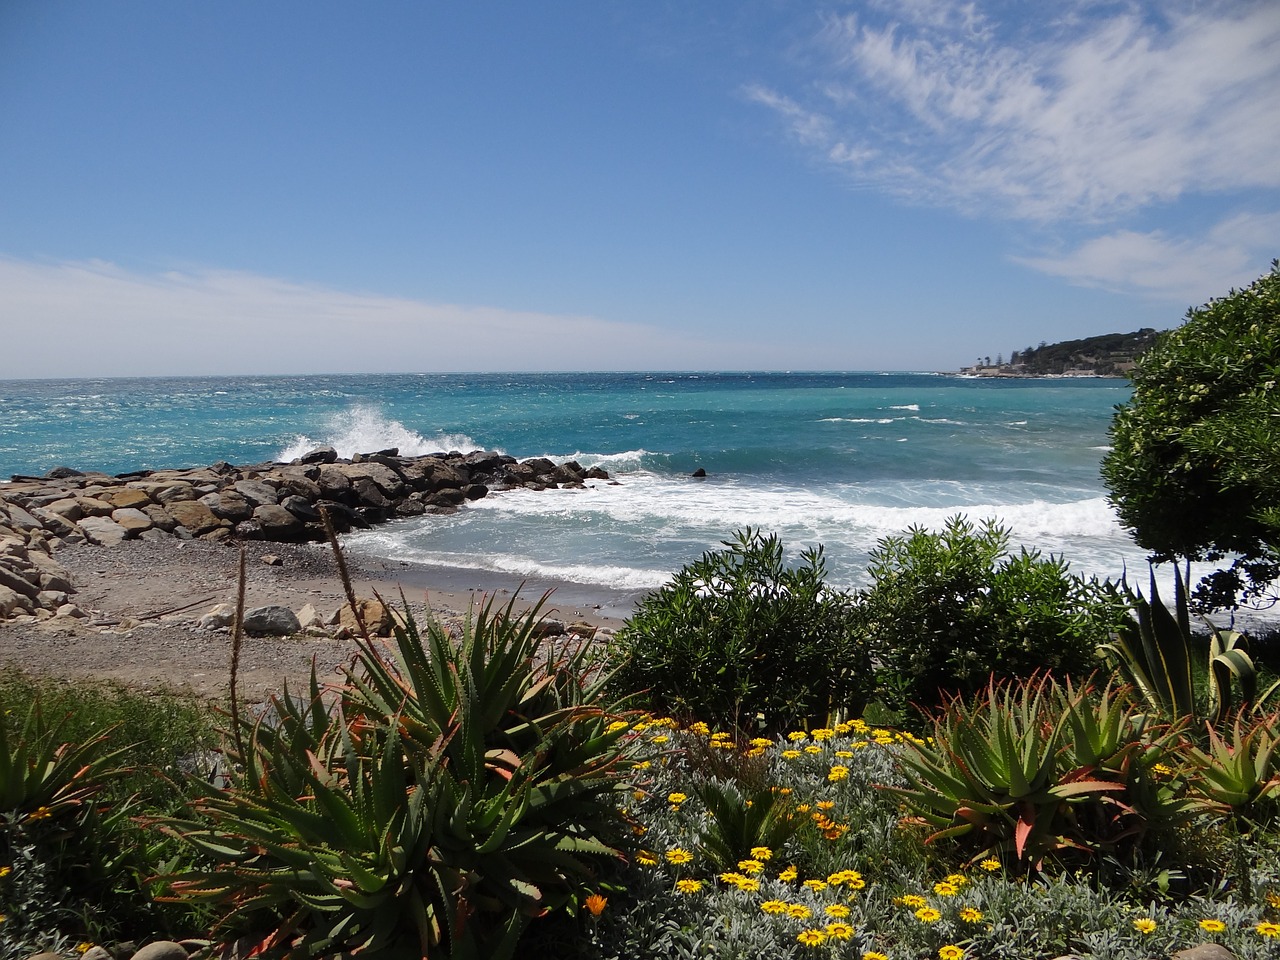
(739, 638)
(1103, 354)
(1194, 469)
(947, 610)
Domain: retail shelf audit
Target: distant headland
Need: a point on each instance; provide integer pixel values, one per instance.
(1108, 355)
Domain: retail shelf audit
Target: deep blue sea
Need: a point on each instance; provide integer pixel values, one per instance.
(841, 459)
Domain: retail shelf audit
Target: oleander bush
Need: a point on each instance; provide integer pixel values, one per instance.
(740, 638)
(947, 610)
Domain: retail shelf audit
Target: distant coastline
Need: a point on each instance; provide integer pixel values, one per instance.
(1111, 355)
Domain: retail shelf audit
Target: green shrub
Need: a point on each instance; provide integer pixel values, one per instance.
(738, 637)
(948, 610)
(454, 790)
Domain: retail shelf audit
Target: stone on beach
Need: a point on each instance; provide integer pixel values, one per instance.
(271, 620)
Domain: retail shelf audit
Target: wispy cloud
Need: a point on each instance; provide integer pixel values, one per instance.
(95, 318)
(1079, 118)
(1167, 267)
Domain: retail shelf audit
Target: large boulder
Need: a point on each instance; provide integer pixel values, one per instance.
(193, 515)
(257, 493)
(229, 505)
(386, 479)
(377, 618)
(272, 620)
(276, 521)
(133, 520)
(103, 531)
(125, 497)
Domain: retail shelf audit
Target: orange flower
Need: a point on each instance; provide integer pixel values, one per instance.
(595, 904)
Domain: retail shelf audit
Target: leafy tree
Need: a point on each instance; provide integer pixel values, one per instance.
(1194, 469)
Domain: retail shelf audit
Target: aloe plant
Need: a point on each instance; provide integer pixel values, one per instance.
(429, 805)
(1241, 774)
(1029, 771)
(1154, 652)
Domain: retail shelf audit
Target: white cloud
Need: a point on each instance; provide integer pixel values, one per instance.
(1083, 118)
(1170, 268)
(96, 319)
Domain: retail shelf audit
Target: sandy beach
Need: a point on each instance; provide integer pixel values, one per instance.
(143, 601)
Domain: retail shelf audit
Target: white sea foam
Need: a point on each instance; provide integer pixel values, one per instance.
(907, 406)
(363, 429)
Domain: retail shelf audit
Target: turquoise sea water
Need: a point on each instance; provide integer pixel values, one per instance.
(841, 459)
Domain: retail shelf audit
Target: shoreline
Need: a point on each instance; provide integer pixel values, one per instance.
(143, 600)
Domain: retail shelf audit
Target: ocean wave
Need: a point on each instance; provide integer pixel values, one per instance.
(363, 429)
(915, 407)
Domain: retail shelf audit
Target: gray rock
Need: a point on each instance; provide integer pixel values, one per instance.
(93, 507)
(320, 455)
(19, 519)
(51, 599)
(300, 507)
(161, 950)
(303, 487)
(103, 531)
(97, 952)
(68, 507)
(387, 480)
(275, 520)
(54, 523)
(72, 611)
(371, 495)
(229, 505)
(126, 497)
(309, 617)
(257, 492)
(174, 493)
(272, 620)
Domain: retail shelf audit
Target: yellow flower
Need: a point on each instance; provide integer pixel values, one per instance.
(799, 911)
(835, 831)
(822, 733)
(991, 865)
(816, 885)
(789, 874)
(848, 878)
(811, 938)
(732, 876)
(663, 738)
(956, 879)
(1144, 925)
(688, 886)
(1268, 929)
(951, 952)
(748, 885)
(825, 804)
(837, 910)
(40, 813)
(750, 866)
(675, 799)
(838, 773)
(84, 946)
(1210, 925)
(646, 859)
(679, 856)
(873, 955)
(911, 900)
(596, 904)
(644, 764)
(813, 748)
(790, 754)
(970, 914)
(5, 871)
(803, 808)
(761, 743)
(616, 726)
(1273, 899)
(795, 736)
(762, 854)
(839, 931)
(944, 889)
(928, 915)
(844, 754)
(700, 728)
(775, 906)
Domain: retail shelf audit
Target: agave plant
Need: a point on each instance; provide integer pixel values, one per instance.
(1029, 771)
(1241, 773)
(741, 818)
(1153, 652)
(42, 776)
(429, 805)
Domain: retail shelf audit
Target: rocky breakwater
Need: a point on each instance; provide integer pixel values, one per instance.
(270, 501)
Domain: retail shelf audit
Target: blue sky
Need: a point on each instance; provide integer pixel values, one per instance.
(290, 187)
